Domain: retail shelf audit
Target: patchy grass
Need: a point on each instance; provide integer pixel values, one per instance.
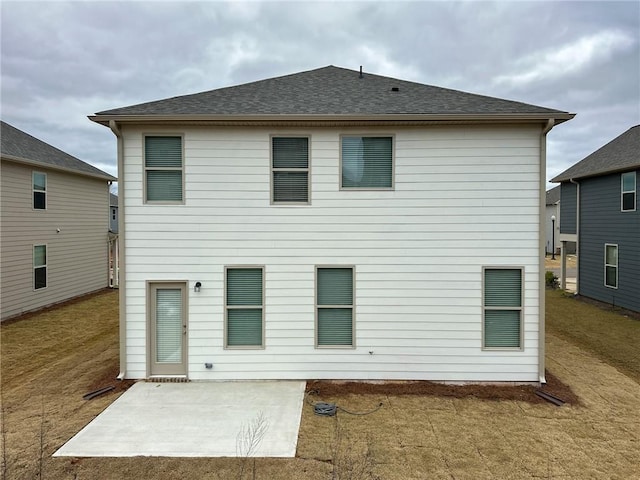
(50, 359)
(610, 336)
(556, 263)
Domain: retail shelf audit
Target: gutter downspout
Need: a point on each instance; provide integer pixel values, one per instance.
(577, 184)
(122, 280)
(541, 249)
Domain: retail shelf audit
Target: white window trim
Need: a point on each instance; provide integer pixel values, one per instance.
(226, 307)
(623, 191)
(521, 308)
(352, 306)
(172, 169)
(307, 170)
(393, 163)
(611, 265)
(34, 267)
(34, 190)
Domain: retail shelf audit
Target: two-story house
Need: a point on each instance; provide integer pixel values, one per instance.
(599, 212)
(332, 224)
(54, 224)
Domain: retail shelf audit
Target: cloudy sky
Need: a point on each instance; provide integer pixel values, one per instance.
(62, 61)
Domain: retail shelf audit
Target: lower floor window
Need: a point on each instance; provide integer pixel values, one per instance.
(244, 307)
(334, 307)
(502, 305)
(611, 266)
(39, 266)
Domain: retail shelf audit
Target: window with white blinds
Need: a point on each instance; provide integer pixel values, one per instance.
(39, 266)
(163, 169)
(367, 163)
(611, 265)
(334, 307)
(169, 325)
(502, 308)
(244, 307)
(290, 170)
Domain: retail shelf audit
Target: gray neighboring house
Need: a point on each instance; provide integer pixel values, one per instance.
(599, 211)
(552, 219)
(54, 224)
(113, 213)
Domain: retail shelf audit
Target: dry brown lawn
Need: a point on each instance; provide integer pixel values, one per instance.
(555, 263)
(51, 359)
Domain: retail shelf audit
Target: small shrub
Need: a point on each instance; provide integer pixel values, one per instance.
(551, 280)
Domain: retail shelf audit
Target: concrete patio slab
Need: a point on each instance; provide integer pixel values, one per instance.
(196, 419)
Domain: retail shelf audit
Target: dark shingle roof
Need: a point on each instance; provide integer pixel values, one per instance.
(113, 200)
(332, 91)
(553, 195)
(18, 145)
(621, 153)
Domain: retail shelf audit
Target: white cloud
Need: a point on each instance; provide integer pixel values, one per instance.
(574, 57)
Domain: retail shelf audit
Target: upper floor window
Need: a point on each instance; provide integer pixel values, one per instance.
(628, 199)
(367, 162)
(502, 306)
(39, 191)
(611, 265)
(39, 266)
(163, 169)
(290, 170)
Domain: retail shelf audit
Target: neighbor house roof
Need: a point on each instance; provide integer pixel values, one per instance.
(553, 195)
(620, 154)
(24, 148)
(331, 92)
(113, 200)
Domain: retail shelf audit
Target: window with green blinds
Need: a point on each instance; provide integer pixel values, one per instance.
(163, 169)
(290, 169)
(367, 162)
(334, 307)
(244, 307)
(502, 308)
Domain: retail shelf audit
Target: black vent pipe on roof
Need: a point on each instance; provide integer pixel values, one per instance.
(360, 71)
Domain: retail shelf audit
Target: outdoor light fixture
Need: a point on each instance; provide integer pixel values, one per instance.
(196, 287)
(553, 237)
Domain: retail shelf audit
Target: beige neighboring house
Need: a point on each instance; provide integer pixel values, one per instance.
(54, 225)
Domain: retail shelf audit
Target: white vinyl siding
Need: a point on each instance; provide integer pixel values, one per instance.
(164, 178)
(628, 194)
(244, 307)
(502, 294)
(366, 162)
(464, 197)
(611, 266)
(334, 307)
(290, 170)
(39, 267)
(39, 191)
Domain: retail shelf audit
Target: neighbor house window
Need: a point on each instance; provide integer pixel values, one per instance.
(244, 307)
(611, 266)
(290, 170)
(502, 305)
(628, 200)
(39, 267)
(163, 169)
(334, 307)
(39, 191)
(367, 162)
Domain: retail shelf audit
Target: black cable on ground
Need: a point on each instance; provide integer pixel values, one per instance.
(325, 409)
